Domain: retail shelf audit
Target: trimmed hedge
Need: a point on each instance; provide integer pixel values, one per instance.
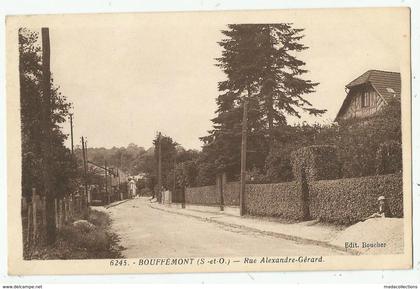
(319, 162)
(274, 200)
(206, 195)
(346, 201)
(231, 193)
(388, 158)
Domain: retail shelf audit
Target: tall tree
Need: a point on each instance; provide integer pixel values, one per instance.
(30, 76)
(259, 63)
(168, 154)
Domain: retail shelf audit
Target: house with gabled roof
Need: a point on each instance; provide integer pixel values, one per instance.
(368, 94)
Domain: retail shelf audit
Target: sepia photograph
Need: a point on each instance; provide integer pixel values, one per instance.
(209, 141)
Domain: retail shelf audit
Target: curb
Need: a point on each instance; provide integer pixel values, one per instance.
(267, 233)
(119, 203)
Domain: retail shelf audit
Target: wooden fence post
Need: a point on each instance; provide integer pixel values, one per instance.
(219, 190)
(60, 213)
(34, 214)
(56, 213)
(66, 210)
(71, 206)
(44, 211)
(24, 205)
(29, 224)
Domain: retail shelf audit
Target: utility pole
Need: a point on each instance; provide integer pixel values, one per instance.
(86, 172)
(86, 155)
(84, 164)
(173, 191)
(46, 127)
(106, 182)
(71, 132)
(159, 166)
(243, 156)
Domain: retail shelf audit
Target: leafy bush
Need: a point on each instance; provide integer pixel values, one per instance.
(319, 163)
(347, 201)
(81, 242)
(93, 240)
(99, 219)
(274, 200)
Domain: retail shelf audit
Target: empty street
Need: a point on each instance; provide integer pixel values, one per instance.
(148, 232)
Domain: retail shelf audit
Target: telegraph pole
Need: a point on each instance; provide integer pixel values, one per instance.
(71, 132)
(106, 182)
(173, 193)
(46, 133)
(159, 166)
(84, 164)
(86, 155)
(86, 172)
(243, 156)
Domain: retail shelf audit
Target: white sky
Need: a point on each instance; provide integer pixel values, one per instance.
(140, 73)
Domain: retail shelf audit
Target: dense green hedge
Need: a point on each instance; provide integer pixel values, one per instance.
(206, 195)
(388, 158)
(274, 200)
(347, 201)
(231, 193)
(319, 162)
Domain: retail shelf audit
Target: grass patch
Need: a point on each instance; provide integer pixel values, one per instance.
(83, 242)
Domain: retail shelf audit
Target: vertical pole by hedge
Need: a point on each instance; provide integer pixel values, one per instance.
(243, 156)
(159, 192)
(219, 185)
(174, 185)
(183, 196)
(304, 194)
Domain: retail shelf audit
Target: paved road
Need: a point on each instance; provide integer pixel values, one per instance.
(147, 232)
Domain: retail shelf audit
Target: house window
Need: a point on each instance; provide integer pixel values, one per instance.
(365, 99)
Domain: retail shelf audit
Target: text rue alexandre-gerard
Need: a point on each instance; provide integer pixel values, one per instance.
(287, 259)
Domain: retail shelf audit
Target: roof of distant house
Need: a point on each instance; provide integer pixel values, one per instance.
(386, 83)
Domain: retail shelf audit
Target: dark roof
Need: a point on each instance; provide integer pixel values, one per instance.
(386, 83)
(383, 81)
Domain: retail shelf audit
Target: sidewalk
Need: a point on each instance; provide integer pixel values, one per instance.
(305, 232)
(116, 203)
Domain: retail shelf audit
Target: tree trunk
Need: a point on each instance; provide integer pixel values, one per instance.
(46, 143)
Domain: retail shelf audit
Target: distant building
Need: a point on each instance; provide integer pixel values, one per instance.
(368, 93)
(140, 176)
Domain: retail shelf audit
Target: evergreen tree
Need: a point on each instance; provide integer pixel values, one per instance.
(259, 63)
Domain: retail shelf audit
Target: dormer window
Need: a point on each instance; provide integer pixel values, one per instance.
(365, 99)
